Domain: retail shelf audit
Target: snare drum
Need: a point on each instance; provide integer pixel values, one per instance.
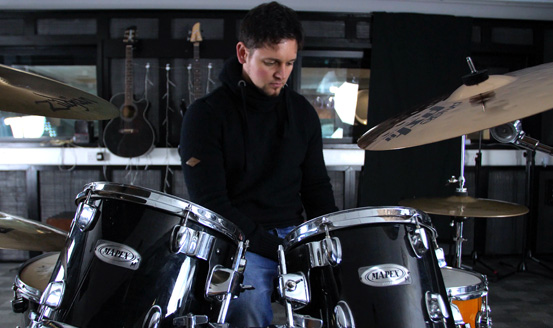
(136, 257)
(367, 267)
(30, 281)
(468, 291)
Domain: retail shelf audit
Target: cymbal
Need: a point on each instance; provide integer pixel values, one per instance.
(29, 235)
(496, 101)
(466, 206)
(28, 93)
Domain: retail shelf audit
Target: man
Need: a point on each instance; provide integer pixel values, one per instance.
(252, 152)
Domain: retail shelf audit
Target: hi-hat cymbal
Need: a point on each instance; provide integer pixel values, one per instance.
(496, 101)
(29, 235)
(466, 206)
(27, 93)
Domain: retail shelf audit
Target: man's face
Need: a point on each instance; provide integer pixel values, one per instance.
(269, 67)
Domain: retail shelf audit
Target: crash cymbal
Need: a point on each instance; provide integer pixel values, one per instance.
(27, 93)
(466, 206)
(29, 235)
(496, 101)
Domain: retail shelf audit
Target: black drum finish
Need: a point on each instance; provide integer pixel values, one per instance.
(165, 284)
(365, 246)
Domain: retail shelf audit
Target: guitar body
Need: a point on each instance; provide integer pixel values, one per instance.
(130, 134)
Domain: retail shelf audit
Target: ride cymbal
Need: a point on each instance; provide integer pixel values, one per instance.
(496, 101)
(466, 206)
(27, 93)
(28, 235)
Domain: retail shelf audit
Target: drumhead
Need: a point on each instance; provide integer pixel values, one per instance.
(463, 284)
(166, 202)
(354, 217)
(34, 275)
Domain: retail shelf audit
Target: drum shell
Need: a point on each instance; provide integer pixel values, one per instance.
(100, 294)
(367, 245)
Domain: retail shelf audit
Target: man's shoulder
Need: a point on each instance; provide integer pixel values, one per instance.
(216, 102)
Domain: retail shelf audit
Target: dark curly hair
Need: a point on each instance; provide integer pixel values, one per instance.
(270, 23)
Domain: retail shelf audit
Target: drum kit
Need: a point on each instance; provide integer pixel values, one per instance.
(136, 257)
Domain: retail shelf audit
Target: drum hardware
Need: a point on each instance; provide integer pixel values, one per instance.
(153, 317)
(187, 241)
(293, 291)
(436, 308)
(343, 315)
(233, 284)
(86, 213)
(440, 256)
(24, 234)
(331, 247)
(327, 251)
(53, 294)
(483, 319)
(190, 320)
(32, 94)
(418, 240)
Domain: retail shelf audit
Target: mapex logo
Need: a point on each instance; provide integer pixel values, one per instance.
(384, 275)
(117, 254)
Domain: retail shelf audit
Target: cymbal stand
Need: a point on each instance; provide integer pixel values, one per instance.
(478, 167)
(458, 222)
(530, 224)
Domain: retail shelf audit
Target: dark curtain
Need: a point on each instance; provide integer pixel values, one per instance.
(415, 59)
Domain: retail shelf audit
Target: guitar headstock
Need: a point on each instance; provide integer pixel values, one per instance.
(195, 35)
(130, 35)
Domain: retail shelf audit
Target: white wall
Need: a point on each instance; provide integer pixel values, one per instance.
(513, 9)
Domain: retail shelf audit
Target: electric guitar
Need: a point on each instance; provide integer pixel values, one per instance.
(196, 38)
(130, 134)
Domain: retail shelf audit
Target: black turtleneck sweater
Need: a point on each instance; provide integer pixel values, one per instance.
(254, 159)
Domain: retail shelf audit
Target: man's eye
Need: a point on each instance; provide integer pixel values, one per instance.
(270, 63)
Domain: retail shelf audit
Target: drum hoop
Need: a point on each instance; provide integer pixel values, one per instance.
(166, 202)
(22, 288)
(360, 216)
(468, 292)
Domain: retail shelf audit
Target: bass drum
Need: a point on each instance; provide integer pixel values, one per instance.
(30, 282)
(136, 257)
(369, 267)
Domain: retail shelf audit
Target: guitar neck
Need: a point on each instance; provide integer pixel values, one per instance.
(128, 75)
(196, 69)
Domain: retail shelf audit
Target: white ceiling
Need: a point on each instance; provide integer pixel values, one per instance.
(512, 9)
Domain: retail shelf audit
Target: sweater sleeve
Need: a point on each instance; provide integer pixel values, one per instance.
(204, 172)
(316, 190)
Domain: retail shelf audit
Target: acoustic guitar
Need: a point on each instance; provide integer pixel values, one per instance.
(130, 134)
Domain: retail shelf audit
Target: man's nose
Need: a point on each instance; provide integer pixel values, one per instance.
(280, 71)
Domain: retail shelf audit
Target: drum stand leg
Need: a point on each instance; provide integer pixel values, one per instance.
(530, 224)
(458, 242)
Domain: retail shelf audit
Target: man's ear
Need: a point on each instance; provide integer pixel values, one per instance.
(241, 52)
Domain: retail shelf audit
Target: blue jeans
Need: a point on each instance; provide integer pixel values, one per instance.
(253, 307)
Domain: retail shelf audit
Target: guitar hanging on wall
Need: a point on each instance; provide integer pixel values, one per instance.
(130, 134)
